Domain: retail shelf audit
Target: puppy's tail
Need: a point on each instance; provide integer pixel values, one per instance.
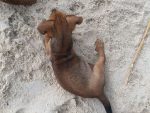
(108, 109)
(106, 103)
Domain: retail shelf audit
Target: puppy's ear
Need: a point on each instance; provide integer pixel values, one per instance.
(73, 20)
(45, 26)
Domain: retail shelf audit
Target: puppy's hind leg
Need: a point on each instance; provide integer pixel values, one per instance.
(99, 78)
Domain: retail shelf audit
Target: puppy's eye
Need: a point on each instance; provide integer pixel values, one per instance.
(44, 32)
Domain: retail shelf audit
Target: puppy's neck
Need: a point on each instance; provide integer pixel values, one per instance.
(61, 48)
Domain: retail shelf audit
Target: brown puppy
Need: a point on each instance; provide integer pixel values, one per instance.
(73, 73)
(20, 2)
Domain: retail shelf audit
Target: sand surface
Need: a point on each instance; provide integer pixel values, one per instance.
(27, 82)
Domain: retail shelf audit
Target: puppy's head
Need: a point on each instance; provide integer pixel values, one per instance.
(59, 23)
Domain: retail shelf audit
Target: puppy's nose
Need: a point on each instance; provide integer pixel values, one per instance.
(54, 10)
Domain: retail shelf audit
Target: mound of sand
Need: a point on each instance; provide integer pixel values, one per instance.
(27, 82)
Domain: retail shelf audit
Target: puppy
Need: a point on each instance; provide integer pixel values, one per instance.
(73, 73)
(20, 2)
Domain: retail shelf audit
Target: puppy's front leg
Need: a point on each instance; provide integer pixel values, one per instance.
(47, 41)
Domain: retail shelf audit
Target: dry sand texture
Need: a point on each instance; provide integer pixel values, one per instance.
(27, 82)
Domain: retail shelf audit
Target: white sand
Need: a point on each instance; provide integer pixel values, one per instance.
(27, 82)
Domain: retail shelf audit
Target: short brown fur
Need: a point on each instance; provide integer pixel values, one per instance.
(73, 73)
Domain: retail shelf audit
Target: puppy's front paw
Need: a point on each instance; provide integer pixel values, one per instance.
(99, 45)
